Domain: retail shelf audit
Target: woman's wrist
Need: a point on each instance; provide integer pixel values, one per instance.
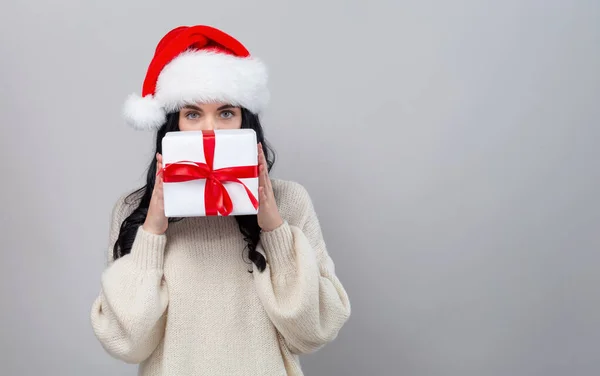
(274, 226)
(152, 229)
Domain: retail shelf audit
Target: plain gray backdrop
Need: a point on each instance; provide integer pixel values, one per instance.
(450, 148)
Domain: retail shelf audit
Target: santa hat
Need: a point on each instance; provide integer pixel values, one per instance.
(197, 64)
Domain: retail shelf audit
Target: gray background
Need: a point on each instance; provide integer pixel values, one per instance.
(450, 149)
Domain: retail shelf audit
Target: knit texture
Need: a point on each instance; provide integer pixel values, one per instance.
(184, 303)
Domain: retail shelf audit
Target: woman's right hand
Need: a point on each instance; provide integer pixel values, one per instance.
(156, 221)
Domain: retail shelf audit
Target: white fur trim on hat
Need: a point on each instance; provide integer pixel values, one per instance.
(201, 77)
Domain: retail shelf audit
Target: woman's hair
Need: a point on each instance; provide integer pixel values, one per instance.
(248, 224)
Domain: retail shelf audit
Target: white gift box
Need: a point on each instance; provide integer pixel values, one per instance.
(232, 148)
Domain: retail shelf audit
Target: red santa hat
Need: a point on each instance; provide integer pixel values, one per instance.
(197, 64)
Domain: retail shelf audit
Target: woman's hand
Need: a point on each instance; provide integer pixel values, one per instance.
(268, 214)
(156, 221)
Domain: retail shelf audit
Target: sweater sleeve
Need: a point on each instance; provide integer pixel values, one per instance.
(299, 289)
(128, 316)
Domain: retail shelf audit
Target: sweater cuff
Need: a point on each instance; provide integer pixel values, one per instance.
(148, 250)
(279, 248)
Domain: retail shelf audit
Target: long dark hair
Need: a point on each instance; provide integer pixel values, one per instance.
(248, 224)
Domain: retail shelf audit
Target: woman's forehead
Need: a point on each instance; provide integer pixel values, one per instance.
(208, 106)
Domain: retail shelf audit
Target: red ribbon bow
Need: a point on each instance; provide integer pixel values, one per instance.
(216, 197)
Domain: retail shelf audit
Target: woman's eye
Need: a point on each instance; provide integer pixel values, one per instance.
(192, 115)
(227, 114)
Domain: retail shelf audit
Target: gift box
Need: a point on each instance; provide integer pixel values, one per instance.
(209, 173)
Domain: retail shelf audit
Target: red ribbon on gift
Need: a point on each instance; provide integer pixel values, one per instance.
(216, 197)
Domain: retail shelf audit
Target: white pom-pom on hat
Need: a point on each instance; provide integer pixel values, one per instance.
(144, 113)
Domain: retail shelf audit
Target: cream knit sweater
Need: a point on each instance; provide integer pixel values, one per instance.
(184, 303)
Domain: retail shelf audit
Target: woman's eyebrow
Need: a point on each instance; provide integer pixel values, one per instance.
(192, 107)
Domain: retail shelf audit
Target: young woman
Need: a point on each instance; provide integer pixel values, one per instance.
(218, 295)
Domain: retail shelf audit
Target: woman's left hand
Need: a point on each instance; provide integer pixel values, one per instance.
(268, 214)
